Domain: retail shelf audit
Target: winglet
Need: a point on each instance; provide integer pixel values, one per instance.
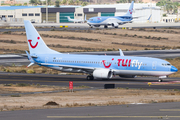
(30, 59)
(121, 53)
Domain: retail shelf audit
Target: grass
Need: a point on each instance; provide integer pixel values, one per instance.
(16, 95)
(95, 40)
(99, 97)
(22, 85)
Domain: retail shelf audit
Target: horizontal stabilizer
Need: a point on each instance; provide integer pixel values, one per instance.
(30, 59)
(30, 65)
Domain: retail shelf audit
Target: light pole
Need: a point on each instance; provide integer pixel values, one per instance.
(46, 11)
(151, 12)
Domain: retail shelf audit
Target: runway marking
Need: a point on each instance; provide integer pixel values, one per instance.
(163, 83)
(169, 110)
(113, 117)
(175, 83)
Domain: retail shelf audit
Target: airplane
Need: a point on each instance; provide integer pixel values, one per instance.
(114, 21)
(76, 20)
(95, 66)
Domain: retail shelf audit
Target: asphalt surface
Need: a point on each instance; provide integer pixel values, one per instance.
(19, 60)
(141, 53)
(136, 111)
(85, 26)
(154, 111)
(79, 80)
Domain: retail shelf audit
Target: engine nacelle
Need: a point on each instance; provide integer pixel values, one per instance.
(103, 73)
(127, 76)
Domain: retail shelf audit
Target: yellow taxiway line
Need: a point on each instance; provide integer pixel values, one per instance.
(169, 110)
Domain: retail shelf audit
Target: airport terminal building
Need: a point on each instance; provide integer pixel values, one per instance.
(58, 15)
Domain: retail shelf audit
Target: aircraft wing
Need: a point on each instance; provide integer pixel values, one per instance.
(124, 22)
(136, 17)
(73, 67)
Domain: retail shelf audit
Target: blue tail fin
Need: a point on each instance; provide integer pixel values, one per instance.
(130, 10)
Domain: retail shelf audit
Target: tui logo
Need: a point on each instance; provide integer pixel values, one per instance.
(107, 66)
(130, 11)
(33, 46)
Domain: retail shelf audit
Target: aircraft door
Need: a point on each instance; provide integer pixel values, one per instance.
(46, 60)
(154, 65)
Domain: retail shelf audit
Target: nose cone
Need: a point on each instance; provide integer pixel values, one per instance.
(173, 69)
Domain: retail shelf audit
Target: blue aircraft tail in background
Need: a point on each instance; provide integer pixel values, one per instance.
(130, 10)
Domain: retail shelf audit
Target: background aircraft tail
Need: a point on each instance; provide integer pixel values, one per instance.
(130, 10)
(69, 19)
(35, 42)
(85, 18)
(149, 17)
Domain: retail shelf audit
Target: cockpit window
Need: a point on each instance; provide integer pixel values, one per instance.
(166, 64)
(90, 19)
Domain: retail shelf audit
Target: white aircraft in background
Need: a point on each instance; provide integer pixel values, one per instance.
(76, 20)
(114, 21)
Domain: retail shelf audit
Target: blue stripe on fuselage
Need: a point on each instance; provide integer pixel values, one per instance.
(96, 61)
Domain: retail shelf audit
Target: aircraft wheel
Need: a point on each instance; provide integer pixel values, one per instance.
(105, 26)
(116, 27)
(92, 78)
(160, 80)
(89, 77)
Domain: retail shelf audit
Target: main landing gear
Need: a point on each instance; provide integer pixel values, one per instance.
(105, 26)
(90, 77)
(160, 80)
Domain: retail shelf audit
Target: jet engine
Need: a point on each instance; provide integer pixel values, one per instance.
(103, 73)
(115, 25)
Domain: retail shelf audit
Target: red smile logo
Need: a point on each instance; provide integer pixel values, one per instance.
(107, 66)
(33, 46)
(130, 11)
